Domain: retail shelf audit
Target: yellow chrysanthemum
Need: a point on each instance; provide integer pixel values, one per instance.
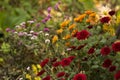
(34, 68)
(92, 15)
(105, 27)
(37, 78)
(112, 31)
(71, 26)
(88, 12)
(28, 76)
(65, 23)
(59, 31)
(80, 18)
(67, 44)
(74, 32)
(67, 37)
(54, 39)
(39, 67)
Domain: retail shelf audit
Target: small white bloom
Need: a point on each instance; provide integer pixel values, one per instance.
(20, 78)
(31, 32)
(47, 41)
(15, 32)
(33, 37)
(23, 23)
(25, 33)
(68, 49)
(28, 68)
(17, 26)
(30, 22)
(46, 34)
(40, 32)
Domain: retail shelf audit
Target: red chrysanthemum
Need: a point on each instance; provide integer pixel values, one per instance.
(112, 68)
(55, 64)
(90, 26)
(107, 63)
(105, 51)
(41, 72)
(82, 35)
(105, 19)
(44, 62)
(91, 50)
(80, 47)
(116, 46)
(117, 75)
(47, 78)
(112, 12)
(80, 77)
(54, 59)
(60, 74)
(65, 62)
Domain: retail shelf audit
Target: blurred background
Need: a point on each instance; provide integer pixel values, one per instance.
(13, 12)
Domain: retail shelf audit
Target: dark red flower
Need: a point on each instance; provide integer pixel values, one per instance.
(91, 50)
(41, 72)
(117, 75)
(112, 68)
(105, 19)
(105, 51)
(67, 75)
(54, 59)
(60, 74)
(80, 77)
(80, 47)
(55, 64)
(82, 35)
(116, 46)
(44, 62)
(72, 47)
(107, 63)
(112, 12)
(47, 78)
(71, 57)
(65, 62)
(90, 26)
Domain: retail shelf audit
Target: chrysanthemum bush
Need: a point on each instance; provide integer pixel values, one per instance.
(83, 49)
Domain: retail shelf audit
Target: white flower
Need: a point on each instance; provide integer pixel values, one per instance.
(23, 23)
(17, 26)
(30, 22)
(31, 32)
(15, 32)
(68, 49)
(28, 68)
(33, 37)
(47, 41)
(40, 32)
(25, 33)
(103, 10)
(46, 34)
(20, 78)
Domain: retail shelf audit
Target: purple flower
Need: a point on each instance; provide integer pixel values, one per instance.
(8, 29)
(20, 34)
(48, 16)
(57, 4)
(44, 21)
(46, 29)
(38, 25)
(49, 9)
